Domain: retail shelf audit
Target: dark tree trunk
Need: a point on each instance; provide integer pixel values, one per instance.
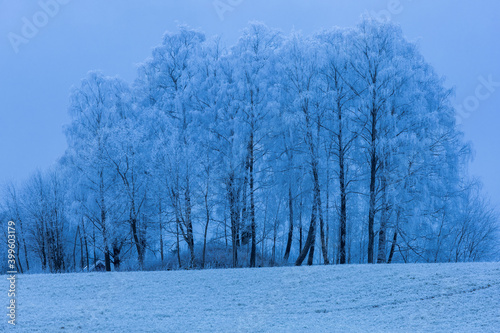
(137, 241)
(207, 221)
(373, 178)
(381, 256)
(26, 254)
(86, 246)
(18, 262)
(117, 247)
(19, 267)
(273, 251)
(309, 240)
(43, 247)
(252, 200)
(233, 211)
(327, 209)
(290, 227)
(311, 235)
(301, 236)
(162, 255)
(393, 246)
(225, 226)
(74, 246)
(94, 246)
(310, 258)
(178, 244)
(82, 257)
(343, 195)
(189, 225)
(343, 225)
(324, 247)
(107, 258)
(23, 240)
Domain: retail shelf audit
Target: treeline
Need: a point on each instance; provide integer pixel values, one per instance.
(340, 147)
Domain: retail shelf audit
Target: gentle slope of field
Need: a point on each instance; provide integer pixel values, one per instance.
(353, 298)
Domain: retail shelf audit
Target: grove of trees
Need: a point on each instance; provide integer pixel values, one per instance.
(333, 148)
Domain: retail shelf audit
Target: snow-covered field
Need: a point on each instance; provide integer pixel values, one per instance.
(354, 298)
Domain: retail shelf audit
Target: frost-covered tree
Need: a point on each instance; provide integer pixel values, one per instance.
(167, 83)
(340, 101)
(94, 110)
(300, 77)
(128, 153)
(45, 205)
(254, 60)
(13, 210)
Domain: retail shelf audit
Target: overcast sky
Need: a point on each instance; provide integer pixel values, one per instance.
(46, 49)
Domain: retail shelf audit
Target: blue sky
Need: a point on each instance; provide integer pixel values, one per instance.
(38, 66)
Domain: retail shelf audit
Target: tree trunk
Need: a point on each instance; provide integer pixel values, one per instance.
(343, 194)
(381, 256)
(18, 262)
(300, 225)
(82, 257)
(26, 254)
(324, 247)
(93, 247)
(311, 235)
(107, 259)
(86, 246)
(234, 219)
(189, 225)
(290, 227)
(137, 241)
(252, 200)
(43, 247)
(327, 207)
(161, 232)
(393, 246)
(273, 250)
(373, 176)
(74, 246)
(178, 244)
(207, 221)
(23, 240)
(225, 226)
(19, 268)
(310, 240)
(117, 247)
(310, 258)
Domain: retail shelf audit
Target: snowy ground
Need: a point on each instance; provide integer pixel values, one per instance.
(355, 298)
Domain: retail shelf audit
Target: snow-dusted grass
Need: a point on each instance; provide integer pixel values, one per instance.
(354, 298)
